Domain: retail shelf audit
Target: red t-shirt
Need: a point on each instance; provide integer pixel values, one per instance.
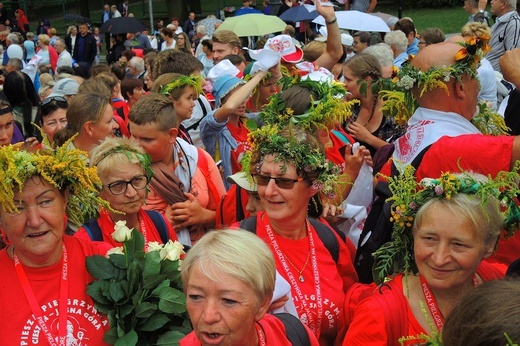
(274, 332)
(19, 327)
(239, 133)
(335, 278)
(107, 228)
(369, 321)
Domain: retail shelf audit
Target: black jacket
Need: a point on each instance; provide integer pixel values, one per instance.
(89, 48)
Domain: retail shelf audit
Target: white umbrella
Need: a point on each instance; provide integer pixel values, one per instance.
(356, 20)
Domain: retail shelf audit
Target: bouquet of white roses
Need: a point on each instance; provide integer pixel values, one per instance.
(139, 288)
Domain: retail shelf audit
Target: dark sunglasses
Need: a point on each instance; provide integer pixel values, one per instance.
(282, 183)
(57, 99)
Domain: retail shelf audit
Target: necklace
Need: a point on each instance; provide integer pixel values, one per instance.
(373, 110)
(300, 272)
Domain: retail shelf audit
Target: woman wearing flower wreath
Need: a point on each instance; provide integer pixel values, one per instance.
(369, 125)
(443, 229)
(229, 279)
(289, 167)
(125, 172)
(44, 278)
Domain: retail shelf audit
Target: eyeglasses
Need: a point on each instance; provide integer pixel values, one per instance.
(48, 100)
(282, 183)
(119, 187)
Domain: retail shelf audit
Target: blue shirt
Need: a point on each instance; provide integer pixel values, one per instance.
(414, 47)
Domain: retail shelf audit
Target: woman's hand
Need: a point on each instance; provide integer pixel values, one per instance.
(359, 132)
(31, 144)
(190, 212)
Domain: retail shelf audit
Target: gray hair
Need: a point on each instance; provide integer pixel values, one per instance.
(13, 38)
(398, 39)
(138, 63)
(381, 52)
(202, 29)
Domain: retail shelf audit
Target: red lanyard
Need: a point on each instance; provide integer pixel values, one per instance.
(143, 232)
(432, 304)
(261, 337)
(35, 306)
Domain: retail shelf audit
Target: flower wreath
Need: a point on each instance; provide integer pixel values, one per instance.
(408, 197)
(400, 103)
(327, 105)
(193, 81)
(268, 140)
(63, 168)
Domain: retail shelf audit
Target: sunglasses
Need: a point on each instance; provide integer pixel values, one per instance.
(48, 100)
(282, 183)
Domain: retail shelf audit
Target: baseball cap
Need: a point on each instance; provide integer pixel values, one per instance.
(347, 40)
(244, 180)
(284, 45)
(65, 87)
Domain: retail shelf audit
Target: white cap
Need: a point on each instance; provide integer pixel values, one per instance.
(347, 40)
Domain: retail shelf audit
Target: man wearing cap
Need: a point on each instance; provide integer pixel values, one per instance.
(66, 88)
(347, 42)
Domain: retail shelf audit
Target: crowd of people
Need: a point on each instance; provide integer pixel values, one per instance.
(267, 164)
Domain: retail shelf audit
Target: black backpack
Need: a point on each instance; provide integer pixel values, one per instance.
(378, 228)
(294, 329)
(95, 234)
(324, 233)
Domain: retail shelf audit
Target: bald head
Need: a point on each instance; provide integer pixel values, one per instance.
(436, 55)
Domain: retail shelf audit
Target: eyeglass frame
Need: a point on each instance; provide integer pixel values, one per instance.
(127, 182)
(278, 181)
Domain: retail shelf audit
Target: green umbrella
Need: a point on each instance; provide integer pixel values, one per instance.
(254, 24)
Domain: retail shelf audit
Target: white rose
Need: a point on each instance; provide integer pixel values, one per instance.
(172, 251)
(122, 232)
(154, 246)
(115, 250)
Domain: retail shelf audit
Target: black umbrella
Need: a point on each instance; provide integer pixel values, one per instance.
(123, 25)
(298, 14)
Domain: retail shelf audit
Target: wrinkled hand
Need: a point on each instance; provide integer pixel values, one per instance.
(31, 144)
(359, 132)
(330, 212)
(278, 303)
(510, 65)
(187, 213)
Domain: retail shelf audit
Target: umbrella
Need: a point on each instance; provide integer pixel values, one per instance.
(386, 17)
(76, 18)
(298, 14)
(209, 23)
(246, 10)
(123, 25)
(356, 20)
(253, 25)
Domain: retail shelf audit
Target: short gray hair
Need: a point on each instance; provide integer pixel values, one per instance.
(138, 63)
(13, 38)
(381, 52)
(202, 29)
(398, 39)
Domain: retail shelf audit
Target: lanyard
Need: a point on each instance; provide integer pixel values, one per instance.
(261, 336)
(143, 232)
(432, 304)
(315, 326)
(35, 306)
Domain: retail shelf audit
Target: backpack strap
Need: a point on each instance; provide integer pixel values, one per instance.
(202, 163)
(324, 233)
(395, 311)
(159, 224)
(327, 237)
(204, 113)
(239, 210)
(294, 329)
(93, 230)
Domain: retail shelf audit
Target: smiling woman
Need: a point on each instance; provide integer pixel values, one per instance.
(43, 270)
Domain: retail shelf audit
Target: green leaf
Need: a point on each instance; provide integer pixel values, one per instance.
(116, 292)
(145, 310)
(119, 261)
(154, 322)
(133, 277)
(129, 339)
(100, 267)
(152, 264)
(170, 338)
(157, 291)
(134, 245)
(110, 336)
(152, 281)
(172, 301)
(94, 289)
(125, 310)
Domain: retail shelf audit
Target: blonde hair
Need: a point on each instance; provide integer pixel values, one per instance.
(237, 253)
(476, 29)
(44, 38)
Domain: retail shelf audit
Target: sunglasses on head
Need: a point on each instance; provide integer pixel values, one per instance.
(282, 183)
(48, 100)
